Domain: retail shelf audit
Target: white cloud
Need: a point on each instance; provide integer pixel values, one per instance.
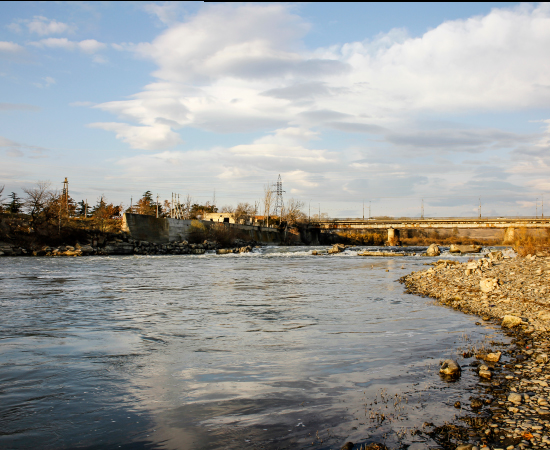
(86, 46)
(44, 26)
(46, 82)
(10, 47)
(256, 75)
(17, 150)
(167, 12)
(153, 137)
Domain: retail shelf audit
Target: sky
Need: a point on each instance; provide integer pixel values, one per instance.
(385, 106)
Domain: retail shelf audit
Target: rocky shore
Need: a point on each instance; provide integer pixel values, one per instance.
(122, 244)
(511, 409)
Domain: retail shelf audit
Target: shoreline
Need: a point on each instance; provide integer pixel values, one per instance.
(512, 410)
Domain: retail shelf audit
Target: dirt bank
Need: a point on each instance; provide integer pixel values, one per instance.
(511, 409)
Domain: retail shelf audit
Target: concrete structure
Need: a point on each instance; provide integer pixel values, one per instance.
(163, 230)
(151, 229)
(219, 217)
(394, 226)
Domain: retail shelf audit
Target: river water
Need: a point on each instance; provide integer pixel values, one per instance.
(272, 349)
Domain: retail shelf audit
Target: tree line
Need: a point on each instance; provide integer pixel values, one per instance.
(45, 205)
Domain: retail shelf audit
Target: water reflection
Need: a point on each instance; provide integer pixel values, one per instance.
(267, 349)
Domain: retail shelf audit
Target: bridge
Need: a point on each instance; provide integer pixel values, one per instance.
(394, 225)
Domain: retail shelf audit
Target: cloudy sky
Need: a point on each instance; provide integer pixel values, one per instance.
(386, 104)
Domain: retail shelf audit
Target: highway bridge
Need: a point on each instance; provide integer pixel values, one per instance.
(394, 225)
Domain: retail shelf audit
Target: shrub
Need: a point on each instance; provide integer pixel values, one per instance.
(198, 232)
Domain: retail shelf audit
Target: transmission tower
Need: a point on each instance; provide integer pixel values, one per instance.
(279, 205)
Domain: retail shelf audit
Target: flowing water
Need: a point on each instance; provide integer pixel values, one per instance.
(272, 349)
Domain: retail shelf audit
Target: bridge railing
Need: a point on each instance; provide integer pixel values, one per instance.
(431, 219)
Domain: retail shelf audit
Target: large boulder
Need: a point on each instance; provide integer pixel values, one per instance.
(465, 248)
(433, 250)
(493, 357)
(337, 248)
(511, 321)
(450, 368)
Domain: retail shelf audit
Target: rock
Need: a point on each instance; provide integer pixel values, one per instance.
(457, 405)
(197, 251)
(337, 248)
(484, 372)
(476, 403)
(542, 358)
(224, 251)
(493, 357)
(496, 256)
(464, 447)
(379, 253)
(348, 446)
(450, 368)
(433, 250)
(511, 321)
(375, 446)
(465, 248)
(514, 397)
(488, 284)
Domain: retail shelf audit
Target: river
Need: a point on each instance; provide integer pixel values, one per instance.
(272, 349)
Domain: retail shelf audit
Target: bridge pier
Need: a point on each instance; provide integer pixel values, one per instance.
(393, 237)
(509, 235)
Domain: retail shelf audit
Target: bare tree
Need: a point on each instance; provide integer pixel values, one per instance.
(187, 205)
(293, 211)
(243, 211)
(1, 196)
(227, 209)
(269, 196)
(38, 199)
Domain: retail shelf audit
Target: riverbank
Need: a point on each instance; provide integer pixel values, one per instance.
(512, 409)
(123, 244)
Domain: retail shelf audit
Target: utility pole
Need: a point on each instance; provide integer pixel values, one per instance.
(66, 194)
(542, 207)
(319, 211)
(422, 210)
(86, 209)
(363, 209)
(157, 206)
(537, 208)
(369, 209)
(309, 214)
(480, 207)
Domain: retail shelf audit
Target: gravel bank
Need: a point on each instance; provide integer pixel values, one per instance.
(512, 409)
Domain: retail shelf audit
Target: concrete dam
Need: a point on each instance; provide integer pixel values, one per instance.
(164, 230)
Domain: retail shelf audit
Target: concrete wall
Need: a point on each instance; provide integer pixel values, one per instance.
(149, 228)
(159, 231)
